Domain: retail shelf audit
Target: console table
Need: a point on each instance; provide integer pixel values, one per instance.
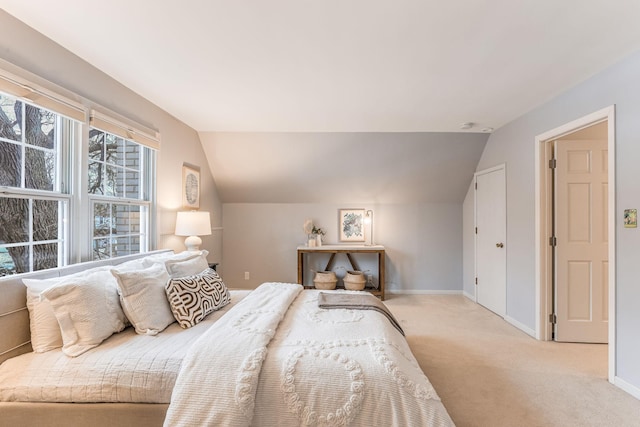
(348, 250)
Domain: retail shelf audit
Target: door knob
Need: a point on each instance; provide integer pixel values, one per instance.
(500, 245)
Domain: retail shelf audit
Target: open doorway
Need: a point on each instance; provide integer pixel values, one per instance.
(580, 236)
(547, 268)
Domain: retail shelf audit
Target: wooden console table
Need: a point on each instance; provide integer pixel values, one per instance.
(348, 250)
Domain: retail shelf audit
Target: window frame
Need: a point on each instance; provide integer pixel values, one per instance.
(75, 232)
(63, 228)
(66, 131)
(144, 223)
(146, 195)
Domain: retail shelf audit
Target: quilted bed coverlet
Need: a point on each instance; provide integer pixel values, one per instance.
(278, 359)
(127, 367)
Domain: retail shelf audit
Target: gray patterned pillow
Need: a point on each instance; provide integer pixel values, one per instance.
(192, 298)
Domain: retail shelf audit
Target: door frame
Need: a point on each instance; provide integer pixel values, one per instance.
(503, 167)
(543, 223)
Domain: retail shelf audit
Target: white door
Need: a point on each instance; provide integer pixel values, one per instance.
(581, 221)
(491, 232)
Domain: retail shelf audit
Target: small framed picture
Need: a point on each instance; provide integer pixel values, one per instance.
(190, 187)
(630, 218)
(351, 225)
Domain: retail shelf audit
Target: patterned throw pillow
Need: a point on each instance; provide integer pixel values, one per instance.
(192, 298)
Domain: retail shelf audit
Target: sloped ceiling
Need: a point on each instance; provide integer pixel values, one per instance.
(347, 168)
(344, 70)
(342, 66)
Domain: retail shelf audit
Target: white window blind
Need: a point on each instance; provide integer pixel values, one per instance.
(15, 86)
(137, 133)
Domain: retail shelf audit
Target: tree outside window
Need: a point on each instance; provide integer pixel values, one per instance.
(35, 209)
(30, 224)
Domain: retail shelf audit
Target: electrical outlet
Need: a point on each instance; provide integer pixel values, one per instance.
(247, 276)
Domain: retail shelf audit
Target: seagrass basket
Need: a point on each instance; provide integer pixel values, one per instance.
(354, 280)
(325, 280)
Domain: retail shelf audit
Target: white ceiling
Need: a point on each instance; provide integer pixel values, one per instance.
(342, 65)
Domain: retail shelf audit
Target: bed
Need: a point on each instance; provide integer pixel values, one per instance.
(270, 356)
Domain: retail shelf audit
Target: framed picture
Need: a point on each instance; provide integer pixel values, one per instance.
(351, 225)
(190, 187)
(630, 218)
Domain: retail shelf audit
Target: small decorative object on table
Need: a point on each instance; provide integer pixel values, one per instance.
(307, 227)
(314, 234)
(318, 233)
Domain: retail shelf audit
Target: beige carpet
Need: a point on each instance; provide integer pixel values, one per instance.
(489, 373)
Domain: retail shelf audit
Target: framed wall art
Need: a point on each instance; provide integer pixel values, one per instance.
(630, 218)
(190, 187)
(351, 225)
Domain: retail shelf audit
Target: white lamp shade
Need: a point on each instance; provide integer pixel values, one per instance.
(193, 223)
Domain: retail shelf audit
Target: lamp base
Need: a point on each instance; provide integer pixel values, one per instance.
(193, 243)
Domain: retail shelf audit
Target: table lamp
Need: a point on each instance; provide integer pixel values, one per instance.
(368, 221)
(193, 224)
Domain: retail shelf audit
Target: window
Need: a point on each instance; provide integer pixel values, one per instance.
(35, 239)
(119, 229)
(33, 206)
(118, 185)
(44, 181)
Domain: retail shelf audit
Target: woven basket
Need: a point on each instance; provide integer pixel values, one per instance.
(354, 280)
(325, 280)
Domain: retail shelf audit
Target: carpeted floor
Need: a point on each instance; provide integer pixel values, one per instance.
(489, 374)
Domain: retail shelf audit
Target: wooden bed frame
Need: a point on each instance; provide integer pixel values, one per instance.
(15, 339)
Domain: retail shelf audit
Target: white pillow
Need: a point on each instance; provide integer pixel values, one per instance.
(165, 256)
(45, 330)
(88, 310)
(144, 300)
(135, 264)
(190, 266)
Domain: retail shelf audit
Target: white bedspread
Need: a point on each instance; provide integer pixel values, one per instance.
(125, 368)
(320, 367)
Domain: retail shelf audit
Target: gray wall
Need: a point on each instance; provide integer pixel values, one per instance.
(415, 182)
(423, 242)
(33, 53)
(513, 144)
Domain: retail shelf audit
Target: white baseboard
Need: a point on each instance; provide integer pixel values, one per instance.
(468, 295)
(421, 292)
(524, 328)
(629, 388)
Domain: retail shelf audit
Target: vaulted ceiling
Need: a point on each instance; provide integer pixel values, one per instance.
(342, 66)
(273, 86)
